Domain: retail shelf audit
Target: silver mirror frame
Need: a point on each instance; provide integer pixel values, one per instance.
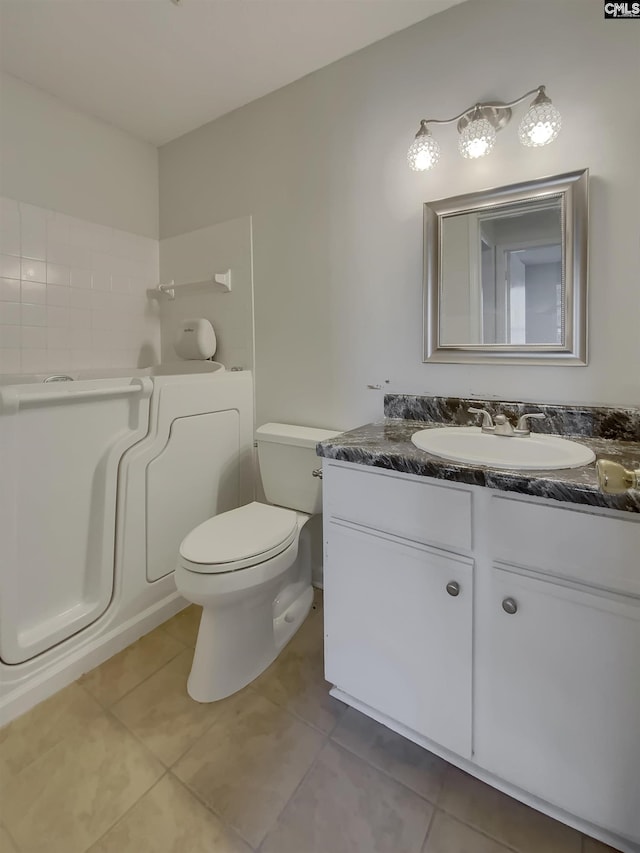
(572, 188)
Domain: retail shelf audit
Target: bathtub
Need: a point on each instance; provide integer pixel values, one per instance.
(101, 476)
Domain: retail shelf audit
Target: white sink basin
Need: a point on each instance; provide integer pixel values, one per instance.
(532, 452)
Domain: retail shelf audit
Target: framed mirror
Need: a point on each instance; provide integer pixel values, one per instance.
(506, 274)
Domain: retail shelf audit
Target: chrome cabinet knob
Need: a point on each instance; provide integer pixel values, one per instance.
(453, 588)
(510, 606)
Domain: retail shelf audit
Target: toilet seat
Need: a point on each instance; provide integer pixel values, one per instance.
(238, 539)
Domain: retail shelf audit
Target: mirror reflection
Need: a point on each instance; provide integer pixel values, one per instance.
(501, 278)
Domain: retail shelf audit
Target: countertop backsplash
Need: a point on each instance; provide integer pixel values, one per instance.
(616, 423)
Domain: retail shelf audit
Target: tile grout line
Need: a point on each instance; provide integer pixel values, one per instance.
(445, 811)
(125, 813)
(297, 715)
(393, 779)
(11, 837)
(69, 735)
(196, 794)
(169, 769)
(223, 822)
(294, 792)
(211, 808)
(200, 736)
(477, 831)
(106, 712)
(437, 807)
(386, 773)
(423, 848)
(327, 738)
(146, 678)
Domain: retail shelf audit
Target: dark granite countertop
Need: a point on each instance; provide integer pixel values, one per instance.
(387, 444)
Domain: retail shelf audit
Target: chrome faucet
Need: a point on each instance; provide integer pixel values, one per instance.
(502, 425)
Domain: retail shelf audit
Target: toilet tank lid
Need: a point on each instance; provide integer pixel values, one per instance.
(296, 435)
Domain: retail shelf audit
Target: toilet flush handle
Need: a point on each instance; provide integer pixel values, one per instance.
(317, 472)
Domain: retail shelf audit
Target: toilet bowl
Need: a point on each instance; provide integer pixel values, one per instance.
(250, 568)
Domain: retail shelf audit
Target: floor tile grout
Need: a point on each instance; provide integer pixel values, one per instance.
(477, 830)
(386, 773)
(146, 678)
(168, 769)
(327, 737)
(125, 813)
(41, 755)
(210, 809)
(209, 806)
(423, 846)
(295, 714)
(11, 838)
(295, 791)
(200, 736)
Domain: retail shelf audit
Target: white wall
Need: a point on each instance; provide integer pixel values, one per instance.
(195, 257)
(78, 239)
(337, 215)
(55, 157)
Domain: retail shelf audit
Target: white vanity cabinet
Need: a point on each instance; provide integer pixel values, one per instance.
(529, 676)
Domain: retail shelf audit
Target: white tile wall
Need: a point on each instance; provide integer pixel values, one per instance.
(73, 293)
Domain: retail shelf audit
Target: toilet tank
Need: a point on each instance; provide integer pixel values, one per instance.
(287, 457)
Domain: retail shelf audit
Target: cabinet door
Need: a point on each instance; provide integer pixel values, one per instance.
(558, 696)
(395, 638)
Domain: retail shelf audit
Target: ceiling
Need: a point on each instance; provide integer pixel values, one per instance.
(158, 70)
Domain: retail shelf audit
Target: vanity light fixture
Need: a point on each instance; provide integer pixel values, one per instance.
(477, 127)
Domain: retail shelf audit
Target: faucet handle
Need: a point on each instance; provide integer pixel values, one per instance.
(614, 479)
(487, 421)
(523, 427)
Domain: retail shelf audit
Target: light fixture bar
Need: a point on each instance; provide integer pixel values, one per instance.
(477, 126)
(494, 105)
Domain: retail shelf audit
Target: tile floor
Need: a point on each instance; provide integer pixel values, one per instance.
(123, 761)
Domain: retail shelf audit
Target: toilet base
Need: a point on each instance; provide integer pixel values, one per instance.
(237, 643)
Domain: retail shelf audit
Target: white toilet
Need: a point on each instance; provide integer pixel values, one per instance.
(246, 570)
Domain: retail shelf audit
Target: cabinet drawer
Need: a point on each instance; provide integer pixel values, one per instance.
(592, 549)
(404, 506)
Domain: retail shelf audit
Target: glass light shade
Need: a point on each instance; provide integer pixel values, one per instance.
(540, 125)
(477, 139)
(424, 152)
